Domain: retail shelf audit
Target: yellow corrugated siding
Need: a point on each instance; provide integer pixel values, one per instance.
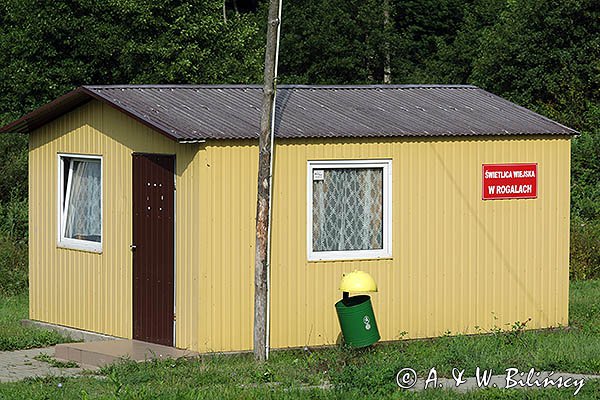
(227, 193)
(457, 261)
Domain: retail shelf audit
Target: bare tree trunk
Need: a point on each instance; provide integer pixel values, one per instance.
(387, 68)
(224, 11)
(261, 268)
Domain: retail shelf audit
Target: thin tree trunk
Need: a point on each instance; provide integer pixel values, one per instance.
(261, 268)
(387, 68)
(224, 11)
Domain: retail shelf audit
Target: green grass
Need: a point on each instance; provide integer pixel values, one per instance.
(13, 335)
(351, 374)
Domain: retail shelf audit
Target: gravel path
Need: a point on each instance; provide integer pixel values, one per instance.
(20, 364)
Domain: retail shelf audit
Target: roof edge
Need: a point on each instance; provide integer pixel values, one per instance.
(54, 109)
(281, 86)
(66, 103)
(572, 132)
(381, 86)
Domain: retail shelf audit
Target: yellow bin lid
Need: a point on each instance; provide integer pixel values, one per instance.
(358, 281)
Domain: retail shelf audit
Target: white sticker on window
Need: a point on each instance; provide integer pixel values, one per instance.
(318, 175)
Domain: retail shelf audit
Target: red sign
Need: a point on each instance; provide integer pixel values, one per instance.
(509, 181)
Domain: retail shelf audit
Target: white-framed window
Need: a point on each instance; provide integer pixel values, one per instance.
(80, 202)
(349, 209)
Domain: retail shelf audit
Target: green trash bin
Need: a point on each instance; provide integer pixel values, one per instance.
(357, 321)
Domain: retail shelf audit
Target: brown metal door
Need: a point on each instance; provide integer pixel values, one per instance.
(153, 247)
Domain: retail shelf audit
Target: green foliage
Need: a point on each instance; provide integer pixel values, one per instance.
(13, 267)
(585, 248)
(333, 42)
(453, 60)
(13, 214)
(424, 28)
(544, 54)
(49, 48)
(13, 246)
(13, 220)
(13, 167)
(348, 42)
(585, 170)
(585, 199)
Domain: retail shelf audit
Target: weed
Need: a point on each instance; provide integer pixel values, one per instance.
(54, 362)
(115, 379)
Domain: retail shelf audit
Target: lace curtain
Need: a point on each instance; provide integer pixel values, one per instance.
(84, 209)
(348, 210)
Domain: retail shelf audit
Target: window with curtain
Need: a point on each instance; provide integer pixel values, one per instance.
(81, 202)
(349, 209)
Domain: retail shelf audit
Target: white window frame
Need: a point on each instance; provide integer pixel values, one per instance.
(386, 251)
(70, 243)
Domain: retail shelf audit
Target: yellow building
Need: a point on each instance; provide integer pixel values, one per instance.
(143, 200)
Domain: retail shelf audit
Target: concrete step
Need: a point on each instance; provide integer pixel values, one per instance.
(106, 352)
(73, 333)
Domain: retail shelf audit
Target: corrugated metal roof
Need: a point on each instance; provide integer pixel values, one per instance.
(200, 112)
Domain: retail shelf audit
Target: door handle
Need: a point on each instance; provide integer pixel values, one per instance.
(132, 247)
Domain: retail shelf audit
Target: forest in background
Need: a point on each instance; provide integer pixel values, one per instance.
(541, 54)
